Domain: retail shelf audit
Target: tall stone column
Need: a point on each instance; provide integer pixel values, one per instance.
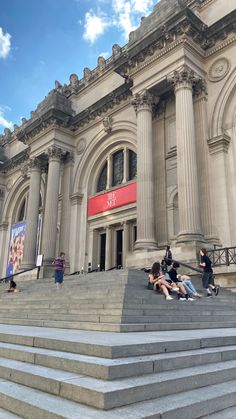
(29, 258)
(108, 258)
(51, 207)
(187, 174)
(66, 206)
(203, 162)
(143, 103)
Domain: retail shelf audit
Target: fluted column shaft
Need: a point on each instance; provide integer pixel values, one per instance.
(29, 258)
(66, 207)
(188, 196)
(205, 193)
(145, 174)
(51, 207)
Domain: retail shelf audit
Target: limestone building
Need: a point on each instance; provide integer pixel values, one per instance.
(137, 154)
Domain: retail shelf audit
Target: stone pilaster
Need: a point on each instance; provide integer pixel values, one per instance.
(218, 147)
(188, 194)
(203, 163)
(51, 207)
(143, 103)
(126, 241)
(66, 206)
(29, 258)
(108, 257)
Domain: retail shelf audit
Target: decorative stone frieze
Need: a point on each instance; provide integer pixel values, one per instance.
(219, 69)
(107, 124)
(219, 144)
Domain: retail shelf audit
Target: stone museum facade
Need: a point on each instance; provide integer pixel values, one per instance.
(137, 154)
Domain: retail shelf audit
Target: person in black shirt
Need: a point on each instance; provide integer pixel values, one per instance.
(168, 256)
(208, 278)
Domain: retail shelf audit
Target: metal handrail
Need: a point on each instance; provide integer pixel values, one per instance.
(223, 256)
(9, 277)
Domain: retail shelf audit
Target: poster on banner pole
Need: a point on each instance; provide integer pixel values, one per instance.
(16, 248)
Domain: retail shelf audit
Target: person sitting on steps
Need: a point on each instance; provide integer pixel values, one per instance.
(174, 278)
(186, 281)
(158, 281)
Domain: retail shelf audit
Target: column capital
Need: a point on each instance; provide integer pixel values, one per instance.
(219, 144)
(35, 163)
(200, 89)
(76, 198)
(183, 77)
(143, 100)
(55, 153)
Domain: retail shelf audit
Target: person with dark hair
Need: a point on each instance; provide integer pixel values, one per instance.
(208, 277)
(157, 280)
(168, 256)
(59, 265)
(183, 294)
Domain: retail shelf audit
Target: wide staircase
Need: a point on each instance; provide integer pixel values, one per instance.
(181, 364)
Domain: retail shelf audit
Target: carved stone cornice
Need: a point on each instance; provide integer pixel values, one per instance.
(76, 198)
(12, 164)
(219, 144)
(108, 102)
(183, 25)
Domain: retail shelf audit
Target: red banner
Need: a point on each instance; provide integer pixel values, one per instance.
(113, 199)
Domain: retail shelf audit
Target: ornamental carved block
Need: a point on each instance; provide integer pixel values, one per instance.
(107, 124)
(101, 63)
(219, 69)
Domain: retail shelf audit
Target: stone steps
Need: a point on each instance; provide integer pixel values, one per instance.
(107, 369)
(107, 395)
(49, 373)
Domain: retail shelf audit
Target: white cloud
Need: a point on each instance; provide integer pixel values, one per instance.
(105, 54)
(122, 14)
(94, 26)
(5, 44)
(3, 121)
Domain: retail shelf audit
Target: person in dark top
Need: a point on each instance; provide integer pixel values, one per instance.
(175, 278)
(208, 277)
(168, 256)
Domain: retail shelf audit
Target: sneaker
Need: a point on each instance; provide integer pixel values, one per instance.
(198, 295)
(209, 295)
(191, 299)
(168, 297)
(216, 290)
(175, 289)
(182, 298)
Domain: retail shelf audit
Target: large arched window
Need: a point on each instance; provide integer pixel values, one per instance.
(102, 180)
(123, 168)
(118, 168)
(22, 211)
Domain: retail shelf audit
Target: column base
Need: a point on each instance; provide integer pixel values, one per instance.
(185, 237)
(47, 270)
(143, 244)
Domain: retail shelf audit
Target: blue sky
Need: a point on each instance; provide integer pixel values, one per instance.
(46, 40)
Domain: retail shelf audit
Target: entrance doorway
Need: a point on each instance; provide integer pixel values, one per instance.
(102, 251)
(119, 248)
